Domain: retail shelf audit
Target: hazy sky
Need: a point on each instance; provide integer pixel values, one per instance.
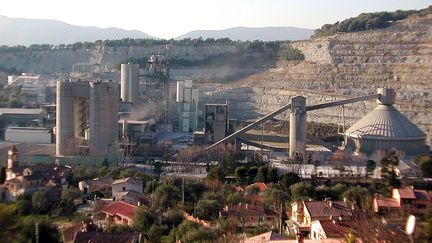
(171, 18)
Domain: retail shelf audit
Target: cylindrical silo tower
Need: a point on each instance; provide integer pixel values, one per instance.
(64, 119)
(125, 82)
(298, 127)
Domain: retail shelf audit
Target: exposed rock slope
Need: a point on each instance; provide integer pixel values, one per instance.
(346, 65)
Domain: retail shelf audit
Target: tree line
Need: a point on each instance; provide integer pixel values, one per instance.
(368, 21)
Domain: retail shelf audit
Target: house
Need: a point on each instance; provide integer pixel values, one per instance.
(407, 199)
(128, 190)
(131, 197)
(28, 179)
(119, 213)
(250, 215)
(266, 237)
(87, 237)
(304, 212)
(127, 184)
(102, 185)
(68, 233)
(384, 204)
(331, 229)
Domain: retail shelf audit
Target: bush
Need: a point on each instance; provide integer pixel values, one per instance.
(292, 54)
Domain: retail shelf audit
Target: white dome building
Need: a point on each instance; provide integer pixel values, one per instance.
(384, 129)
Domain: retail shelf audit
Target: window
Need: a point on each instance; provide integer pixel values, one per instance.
(124, 188)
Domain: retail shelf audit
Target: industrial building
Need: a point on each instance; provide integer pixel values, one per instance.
(216, 122)
(129, 83)
(39, 135)
(187, 99)
(384, 129)
(22, 117)
(87, 118)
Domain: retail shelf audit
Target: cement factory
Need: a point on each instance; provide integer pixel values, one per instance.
(147, 110)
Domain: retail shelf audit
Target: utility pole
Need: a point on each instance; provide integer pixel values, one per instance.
(37, 232)
(183, 192)
(280, 218)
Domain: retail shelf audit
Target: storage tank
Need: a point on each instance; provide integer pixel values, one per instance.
(125, 82)
(179, 96)
(384, 129)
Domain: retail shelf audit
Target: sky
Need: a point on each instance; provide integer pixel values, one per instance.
(171, 18)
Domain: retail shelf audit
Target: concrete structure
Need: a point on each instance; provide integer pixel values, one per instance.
(298, 127)
(187, 99)
(131, 130)
(40, 135)
(20, 116)
(384, 129)
(101, 185)
(216, 122)
(129, 83)
(127, 184)
(86, 118)
(22, 78)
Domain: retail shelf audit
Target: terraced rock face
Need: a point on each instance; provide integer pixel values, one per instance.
(342, 66)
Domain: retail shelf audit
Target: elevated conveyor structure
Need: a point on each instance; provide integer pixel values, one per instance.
(298, 111)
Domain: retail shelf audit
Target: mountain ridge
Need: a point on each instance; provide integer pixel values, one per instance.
(21, 31)
(271, 33)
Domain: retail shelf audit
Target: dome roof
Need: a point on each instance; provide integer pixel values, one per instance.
(385, 122)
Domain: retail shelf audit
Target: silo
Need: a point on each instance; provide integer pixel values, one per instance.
(384, 129)
(298, 127)
(125, 82)
(179, 96)
(64, 119)
(103, 118)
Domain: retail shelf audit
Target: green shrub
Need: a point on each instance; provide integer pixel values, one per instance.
(292, 54)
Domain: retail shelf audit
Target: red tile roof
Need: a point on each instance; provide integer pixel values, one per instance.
(269, 236)
(336, 229)
(406, 193)
(120, 208)
(326, 209)
(384, 202)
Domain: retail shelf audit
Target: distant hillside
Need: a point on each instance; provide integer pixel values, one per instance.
(245, 33)
(18, 31)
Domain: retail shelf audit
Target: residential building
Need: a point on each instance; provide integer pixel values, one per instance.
(101, 185)
(303, 213)
(331, 229)
(28, 179)
(249, 215)
(132, 197)
(119, 213)
(127, 184)
(266, 237)
(409, 200)
(129, 190)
